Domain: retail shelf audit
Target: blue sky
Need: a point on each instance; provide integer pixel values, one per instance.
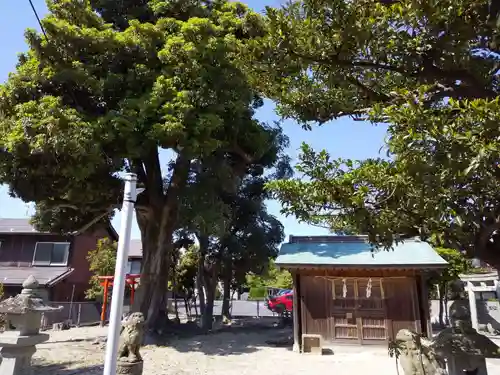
(342, 138)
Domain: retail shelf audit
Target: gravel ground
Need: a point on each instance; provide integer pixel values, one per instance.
(74, 353)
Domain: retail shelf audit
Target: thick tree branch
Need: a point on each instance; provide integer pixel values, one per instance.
(93, 221)
(138, 168)
(334, 60)
(242, 154)
(178, 181)
(469, 85)
(486, 232)
(370, 93)
(154, 179)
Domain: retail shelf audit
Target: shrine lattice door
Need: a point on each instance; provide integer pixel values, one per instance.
(359, 312)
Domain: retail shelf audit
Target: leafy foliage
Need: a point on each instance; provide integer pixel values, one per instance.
(186, 271)
(430, 71)
(112, 86)
(342, 57)
(257, 293)
(272, 277)
(458, 264)
(102, 261)
(223, 205)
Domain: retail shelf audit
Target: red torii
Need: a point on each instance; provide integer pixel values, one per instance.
(130, 279)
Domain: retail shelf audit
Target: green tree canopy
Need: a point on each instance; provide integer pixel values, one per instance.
(427, 69)
(111, 86)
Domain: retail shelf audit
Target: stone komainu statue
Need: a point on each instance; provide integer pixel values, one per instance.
(131, 336)
(416, 357)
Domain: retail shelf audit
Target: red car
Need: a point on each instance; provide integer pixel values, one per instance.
(281, 303)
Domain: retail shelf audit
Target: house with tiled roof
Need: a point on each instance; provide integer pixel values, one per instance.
(58, 262)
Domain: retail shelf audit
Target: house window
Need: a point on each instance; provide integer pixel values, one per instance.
(51, 254)
(134, 267)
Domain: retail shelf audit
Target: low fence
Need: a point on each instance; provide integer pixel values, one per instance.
(79, 313)
(238, 308)
(88, 313)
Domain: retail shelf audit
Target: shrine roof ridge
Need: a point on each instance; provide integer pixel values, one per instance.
(356, 251)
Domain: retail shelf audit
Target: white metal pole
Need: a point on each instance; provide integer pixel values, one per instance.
(115, 318)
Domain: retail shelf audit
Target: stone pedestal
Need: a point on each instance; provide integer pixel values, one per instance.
(17, 360)
(128, 368)
(464, 349)
(17, 350)
(457, 365)
(23, 313)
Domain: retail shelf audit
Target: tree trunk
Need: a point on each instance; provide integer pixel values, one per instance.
(226, 296)
(157, 222)
(176, 307)
(200, 282)
(174, 291)
(208, 313)
(441, 303)
(187, 307)
(196, 309)
(154, 277)
(208, 271)
(445, 304)
(210, 281)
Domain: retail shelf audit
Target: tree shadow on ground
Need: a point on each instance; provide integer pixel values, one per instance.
(96, 339)
(66, 368)
(232, 340)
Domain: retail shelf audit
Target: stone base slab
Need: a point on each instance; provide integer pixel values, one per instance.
(129, 368)
(15, 339)
(17, 360)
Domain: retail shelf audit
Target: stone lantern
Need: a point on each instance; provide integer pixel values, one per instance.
(464, 349)
(24, 313)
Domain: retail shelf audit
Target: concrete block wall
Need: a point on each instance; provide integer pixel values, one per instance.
(487, 312)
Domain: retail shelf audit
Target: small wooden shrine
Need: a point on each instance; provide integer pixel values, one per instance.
(348, 292)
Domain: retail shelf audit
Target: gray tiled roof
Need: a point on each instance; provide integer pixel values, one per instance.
(135, 250)
(16, 226)
(44, 275)
(23, 226)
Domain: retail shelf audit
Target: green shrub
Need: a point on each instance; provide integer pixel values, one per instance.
(257, 293)
(218, 294)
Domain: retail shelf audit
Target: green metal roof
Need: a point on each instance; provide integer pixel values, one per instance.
(352, 251)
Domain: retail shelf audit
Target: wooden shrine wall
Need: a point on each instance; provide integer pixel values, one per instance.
(358, 309)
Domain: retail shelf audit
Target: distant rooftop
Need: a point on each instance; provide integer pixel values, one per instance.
(23, 226)
(44, 275)
(352, 251)
(16, 226)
